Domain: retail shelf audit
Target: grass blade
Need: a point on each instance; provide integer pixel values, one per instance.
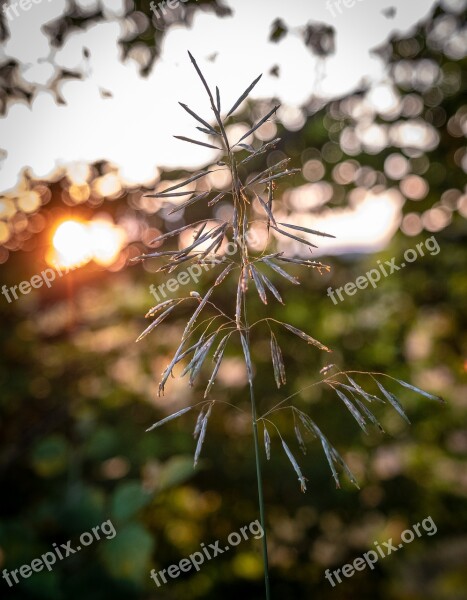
(169, 418)
(216, 199)
(155, 323)
(362, 392)
(351, 408)
(247, 147)
(281, 271)
(277, 362)
(272, 288)
(259, 284)
(259, 123)
(224, 274)
(199, 422)
(182, 184)
(170, 194)
(306, 337)
(169, 234)
(261, 150)
(267, 210)
(294, 237)
(238, 304)
(155, 309)
(199, 119)
(306, 230)
(202, 354)
(246, 353)
(291, 457)
(267, 443)
(298, 435)
(393, 401)
(218, 356)
(197, 142)
(202, 435)
(195, 315)
(279, 175)
(418, 390)
(200, 351)
(189, 202)
(243, 96)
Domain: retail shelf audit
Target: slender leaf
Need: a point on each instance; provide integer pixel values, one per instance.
(199, 232)
(259, 123)
(169, 234)
(353, 411)
(393, 401)
(298, 435)
(195, 315)
(248, 147)
(244, 95)
(341, 461)
(272, 288)
(291, 457)
(218, 355)
(259, 284)
(361, 391)
(200, 354)
(197, 142)
(246, 353)
(267, 210)
(206, 131)
(306, 337)
(199, 422)
(170, 194)
(306, 230)
(294, 237)
(155, 323)
(277, 362)
(418, 390)
(202, 435)
(183, 183)
(189, 202)
(216, 199)
(238, 304)
(199, 119)
(327, 448)
(267, 443)
(261, 150)
(155, 309)
(169, 418)
(281, 271)
(203, 352)
(224, 274)
(279, 175)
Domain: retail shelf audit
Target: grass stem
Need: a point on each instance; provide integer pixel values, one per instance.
(260, 493)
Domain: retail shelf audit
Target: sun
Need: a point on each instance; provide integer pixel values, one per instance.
(75, 243)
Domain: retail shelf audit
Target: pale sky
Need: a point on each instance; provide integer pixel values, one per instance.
(115, 114)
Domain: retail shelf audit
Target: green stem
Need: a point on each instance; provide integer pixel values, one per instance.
(260, 492)
(244, 262)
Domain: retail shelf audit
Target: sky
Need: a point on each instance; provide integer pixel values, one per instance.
(114, 113)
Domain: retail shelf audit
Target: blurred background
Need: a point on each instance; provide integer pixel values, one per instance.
(373, 112)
